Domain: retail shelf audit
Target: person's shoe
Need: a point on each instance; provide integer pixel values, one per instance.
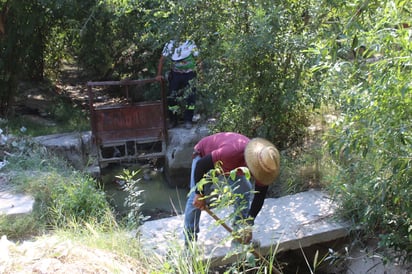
(188, 125)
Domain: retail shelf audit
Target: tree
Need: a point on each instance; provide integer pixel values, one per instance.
(119, 39)
(371, 142)
(22, 46)
(254, 63)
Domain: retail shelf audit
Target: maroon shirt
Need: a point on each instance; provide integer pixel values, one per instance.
(226, 147)
(229, 148)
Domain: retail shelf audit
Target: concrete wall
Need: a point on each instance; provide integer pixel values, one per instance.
(79, 151)
(179, 151)
(75, 147)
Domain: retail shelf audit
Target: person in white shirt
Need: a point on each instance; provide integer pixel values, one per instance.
(184, 63)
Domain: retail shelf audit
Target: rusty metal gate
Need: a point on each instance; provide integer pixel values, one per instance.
(125, 130)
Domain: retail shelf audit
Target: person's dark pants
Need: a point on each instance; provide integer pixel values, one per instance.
(177, 82)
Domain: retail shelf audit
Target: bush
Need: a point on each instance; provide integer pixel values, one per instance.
(371, 141)
(63, 196)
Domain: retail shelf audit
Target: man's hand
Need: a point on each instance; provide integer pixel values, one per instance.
(244, 235)
(199, 202)
(247, 235)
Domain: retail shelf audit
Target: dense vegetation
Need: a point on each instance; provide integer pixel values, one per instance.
(268, 68)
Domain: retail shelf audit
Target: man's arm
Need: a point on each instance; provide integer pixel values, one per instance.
(258, 200)
(202, 167)
(246, 233)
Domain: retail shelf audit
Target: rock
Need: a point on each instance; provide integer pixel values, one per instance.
(179, 153)
(13, 204)
(75, 147)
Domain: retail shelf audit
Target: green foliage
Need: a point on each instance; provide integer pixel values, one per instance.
(20, 227)
(78, 200)
(116, 40)
(34, 42)
(133, 200)
(371, 142)
(182, 260)
(255, 71)
(221, 194)
(63, 196)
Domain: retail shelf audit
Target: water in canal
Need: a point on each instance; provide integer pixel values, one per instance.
(159, 198)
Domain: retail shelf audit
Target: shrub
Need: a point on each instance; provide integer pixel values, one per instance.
(371, 141)
(63, 196)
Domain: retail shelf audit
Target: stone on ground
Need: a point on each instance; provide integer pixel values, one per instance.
(13, 203)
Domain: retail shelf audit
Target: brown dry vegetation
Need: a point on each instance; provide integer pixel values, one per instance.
(54, 255)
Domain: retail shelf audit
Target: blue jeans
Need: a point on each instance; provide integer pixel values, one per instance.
(240, 185)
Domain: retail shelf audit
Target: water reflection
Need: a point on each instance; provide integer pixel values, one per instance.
(160, 199)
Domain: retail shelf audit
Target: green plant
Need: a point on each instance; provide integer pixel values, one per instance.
(183, 260)
(63, 196)
(77, 200)
(313, 266)
(22, 46)
(221, 194)
(255, 81)
(370, 143)
(20, 227)
(133, 199)
(117, 39)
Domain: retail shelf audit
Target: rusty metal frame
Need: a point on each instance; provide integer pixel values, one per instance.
(126, 126)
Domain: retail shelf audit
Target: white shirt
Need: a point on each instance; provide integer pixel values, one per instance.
(181, 51)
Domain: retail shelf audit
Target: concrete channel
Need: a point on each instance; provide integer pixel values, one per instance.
(286, 223)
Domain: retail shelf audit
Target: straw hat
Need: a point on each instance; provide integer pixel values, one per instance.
(263, 160)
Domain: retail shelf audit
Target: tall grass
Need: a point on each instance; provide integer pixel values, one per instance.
(62, 195)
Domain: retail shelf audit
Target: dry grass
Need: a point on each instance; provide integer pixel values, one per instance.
(55, 255)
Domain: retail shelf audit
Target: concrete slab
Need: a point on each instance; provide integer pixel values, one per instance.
(285, 223)
(179, 153)
(75, 147)
(15, 204)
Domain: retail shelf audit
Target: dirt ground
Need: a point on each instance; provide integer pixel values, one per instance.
(51, 255)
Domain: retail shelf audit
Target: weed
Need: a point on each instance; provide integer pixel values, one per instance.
(133, 200)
